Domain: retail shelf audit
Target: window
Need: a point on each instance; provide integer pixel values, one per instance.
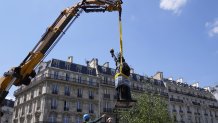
(79, 92)
(67, 66)
(188, 108)
(78, 120)
(67, 90)
(79, 106)
(52, 119)
(67, 76)
(91, 108)
(56, 63)
(23, 110)
(54, 89)
(105, 79)
(106, 91)
(30, 107)
(66, 119)
(66, 105)
(54, 104)
(91, 95)
(40, 90)
(106, 104)
(55, 75)
(107, 107)
(90, 81)
(38, 104)
(79, 69)
(90, 71)
(32, 94)
(79, 79)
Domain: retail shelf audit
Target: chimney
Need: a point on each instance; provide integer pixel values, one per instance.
(158, 76)
(170, 78)
(195, 84)
(93, 63)
(131, 70)
(106, 64)
(70, 59)
(87, 63)
(179, 80)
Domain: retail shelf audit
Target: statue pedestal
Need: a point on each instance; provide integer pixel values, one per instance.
(124, 103)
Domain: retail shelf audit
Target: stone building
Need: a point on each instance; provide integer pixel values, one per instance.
(7, 110)
(63, 91)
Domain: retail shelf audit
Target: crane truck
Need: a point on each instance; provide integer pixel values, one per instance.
(23, 73)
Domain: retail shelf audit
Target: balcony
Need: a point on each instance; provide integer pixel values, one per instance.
(67, 93)
(79, 110)
(68, 79)
(54, 92)
(137, 88)
(214, 107)
(108, 110)
(196, 103)
(106, 96)
(189, 112)
(164, 94)
(197, 113)
(176, 100)
(180, 111)
(111, 83)
(79, 95)
(174, 110)
(91, 111)
(53, 107)
(66, 108)
(91, 97)
(39, 79)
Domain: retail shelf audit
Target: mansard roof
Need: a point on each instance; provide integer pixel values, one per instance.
(72, 67)
(8, 103)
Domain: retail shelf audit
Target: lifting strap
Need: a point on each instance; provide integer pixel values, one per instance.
(121, 40)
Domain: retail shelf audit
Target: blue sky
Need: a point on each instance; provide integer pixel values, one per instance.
(177, 37)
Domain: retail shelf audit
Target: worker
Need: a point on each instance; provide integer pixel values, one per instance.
(86, 118)
(122, 82)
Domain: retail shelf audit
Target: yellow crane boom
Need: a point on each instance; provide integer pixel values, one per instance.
(23, 73)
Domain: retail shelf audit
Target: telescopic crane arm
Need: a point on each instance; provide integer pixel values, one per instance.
(23, 73)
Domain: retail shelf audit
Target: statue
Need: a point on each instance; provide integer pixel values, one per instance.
(122, 82)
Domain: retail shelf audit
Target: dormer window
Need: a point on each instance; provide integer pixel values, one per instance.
(67, 66)
(104, 69)
(56, 63)
(90, 71)
(79, 68)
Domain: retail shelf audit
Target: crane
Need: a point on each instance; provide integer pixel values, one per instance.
(23, 73)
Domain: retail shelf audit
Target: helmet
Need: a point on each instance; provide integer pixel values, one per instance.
(86, 117)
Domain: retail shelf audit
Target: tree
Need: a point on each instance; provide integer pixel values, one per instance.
(149, 108)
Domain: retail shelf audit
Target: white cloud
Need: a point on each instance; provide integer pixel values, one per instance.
(173, 5)
(212, 27)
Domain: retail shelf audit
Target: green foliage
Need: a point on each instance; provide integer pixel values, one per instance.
(148, 109)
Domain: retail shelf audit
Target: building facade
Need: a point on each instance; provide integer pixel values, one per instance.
(7, 110)
(63, 91)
